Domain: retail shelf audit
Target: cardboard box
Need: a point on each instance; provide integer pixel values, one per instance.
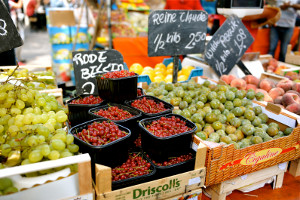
(163, 188)
(59, 185)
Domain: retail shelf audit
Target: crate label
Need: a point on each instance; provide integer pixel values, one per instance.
(193, 181)
(260, 156)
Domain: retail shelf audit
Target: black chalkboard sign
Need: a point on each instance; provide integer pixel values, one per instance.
(9, 35)
(228, 45)
(89, 63)
(176, 32)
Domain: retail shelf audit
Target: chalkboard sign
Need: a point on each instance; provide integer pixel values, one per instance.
(228, 45)
(89, 63)
(9, 35)
(176, 32)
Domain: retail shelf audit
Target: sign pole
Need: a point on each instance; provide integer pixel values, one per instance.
(241, 65)
(108, 4)
(175, 68)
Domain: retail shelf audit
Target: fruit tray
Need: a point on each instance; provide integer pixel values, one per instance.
(226, 162)
(117, 90)
(161, 148)
(167, 106)
(164, 188)
(135, 180)
(111, 154)
(78, 113)
(131, 123)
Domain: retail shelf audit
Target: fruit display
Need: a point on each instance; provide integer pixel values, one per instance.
(91, 99)
(135, 166)
(160, 72)
(118, 74)
(274, 67)
(114, 113)
(165, 127)
(221, 113)
(32, 127)
(101, 133)
(7, 187)
(285, 93)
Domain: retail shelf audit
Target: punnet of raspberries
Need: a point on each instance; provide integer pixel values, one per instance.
(118, 74)
(87, 100)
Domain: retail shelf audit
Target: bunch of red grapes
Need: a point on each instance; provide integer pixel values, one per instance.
(118, 74)
(134, 166)
(167, 126)
(87, 100)
(101, 133)
(148, 105)
(173, 161)
(114, 113)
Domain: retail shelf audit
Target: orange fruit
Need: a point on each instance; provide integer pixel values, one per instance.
(169, 71)
(148, 68)
(137, 68)
(160, 66)
(158, 79)
(149, 73)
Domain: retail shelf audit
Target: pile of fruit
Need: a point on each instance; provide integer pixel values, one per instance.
(114, 113)
(91, 99)
(285, 93)
(148, 105)
(220, 112)
(32, 127)
(135, 166)
(174, 160)
(7, 187)
(118, 74)
(101, 133)
(274, 67)
(160, 72)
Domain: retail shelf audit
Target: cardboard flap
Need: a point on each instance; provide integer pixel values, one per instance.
(62, 18)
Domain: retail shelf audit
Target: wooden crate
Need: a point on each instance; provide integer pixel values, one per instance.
(290, 57)
(294, 168)
(185, 182)
(226, 162)
(219, 191)
(57, 185)
(192, 195)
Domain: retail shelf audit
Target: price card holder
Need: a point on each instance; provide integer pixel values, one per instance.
(89, 63)
(9, 35)
(176, 32)
(228, 45)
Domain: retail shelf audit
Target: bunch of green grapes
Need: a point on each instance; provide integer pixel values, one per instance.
(31, 127)
(7, 187)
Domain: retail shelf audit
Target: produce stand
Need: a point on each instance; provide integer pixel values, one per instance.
(187, 182)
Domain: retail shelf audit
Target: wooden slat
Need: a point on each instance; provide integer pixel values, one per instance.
(295, 167)
(200, 156)
(103, 179)
(85, 178)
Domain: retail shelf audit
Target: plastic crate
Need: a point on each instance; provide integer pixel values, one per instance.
(138, 179)
(168, 106)
(167, 61)
(161, 148)
(78, 113)
(117, 90)
(131, 123)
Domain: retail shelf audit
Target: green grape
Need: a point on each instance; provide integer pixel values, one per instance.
(61, 116)
(28, 118)
(49, 138)
(53, 105)
(69, 139)
(45, 150)
(43, 131)
(51, 114)
(9, 87)
(41, 139)
(58, 125)
(73, 148)
(51, 121)
(58, 144)
(10, 100)
(35, 156)
(5, 183)
(10, 190)
(1, 129)
(20, 104)
(24, 97)
(41, 102)
(27, 111)
(15, 111)
(26, 151)
(65, 154)
(36, 119)
(54, 155)
(3, 112)
(14, 143)
(3, 95)
(61, 136)
(5, 149)
(44, 118)
(30, 97)
(11, 94)
(37, 111)
(32, 141)
(47, 108)
(13, 129)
